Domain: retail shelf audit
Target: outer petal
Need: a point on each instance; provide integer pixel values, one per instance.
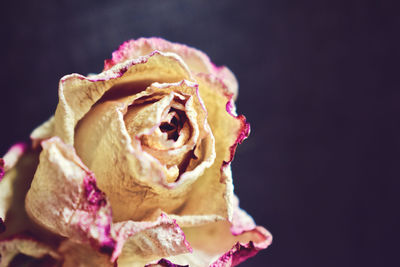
(213, 192)
(78, 93)
(149, 240)
(18, 166)
(2, 171)
(42, 132)
(197, 61)
(224, 244)
(64, 199)
(16, 245)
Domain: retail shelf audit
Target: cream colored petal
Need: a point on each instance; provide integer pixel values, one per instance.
(213, 192)
(19, 165)
(197, 61)
(124, 172)
(64, 199)
(77, 93)
(44, 131)
(223, 243)
(144, 241)
(136, 244)
(11, 247)
(135, 181)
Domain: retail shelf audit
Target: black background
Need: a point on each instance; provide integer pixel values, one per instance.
(319, 83)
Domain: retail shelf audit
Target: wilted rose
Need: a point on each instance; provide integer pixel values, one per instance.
(133, 168)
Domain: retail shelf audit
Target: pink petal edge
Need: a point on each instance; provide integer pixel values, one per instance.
(165, 263)
(244, 131)
(96, 200)
(241, 252)
(157, 44)
(2, 171)
(135, 48)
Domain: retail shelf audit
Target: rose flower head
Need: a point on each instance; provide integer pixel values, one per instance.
(133, 169)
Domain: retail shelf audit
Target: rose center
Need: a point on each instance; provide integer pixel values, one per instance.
(173, 127)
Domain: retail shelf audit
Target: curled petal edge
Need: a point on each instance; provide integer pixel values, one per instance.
(78, 93)
(11, 157)
(24, 244)
(197, 61)
(241, 252)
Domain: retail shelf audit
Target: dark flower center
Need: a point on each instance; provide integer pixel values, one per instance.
(173, 127)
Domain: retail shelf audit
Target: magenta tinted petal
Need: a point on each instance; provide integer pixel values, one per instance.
(236, 255)
(165, 263)
(1, 168)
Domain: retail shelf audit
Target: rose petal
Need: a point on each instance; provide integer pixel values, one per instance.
(197, 61)
(135, 181)
(80, 211)
(164, 263)
(78, 93)
(213, 191)
(137, 244)
(42, 132)
(19, 167)
(9, 248)
(12, 156)
(2, 170)
(121, 169)
(223, 243)
(144, 240)
(64, 199)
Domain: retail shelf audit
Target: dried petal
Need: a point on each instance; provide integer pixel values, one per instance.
(156, 132)
(78, 93)
(43, 132)
(133, 175)
(213, 191)
(80, 211)
(10, 248)
(148, 240)
(223, 243)
(64, 199)
(19, 167)
(197, 61)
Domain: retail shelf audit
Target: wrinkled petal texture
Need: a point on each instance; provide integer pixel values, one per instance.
(197, 61)
(80, 211)
(135, 165)
(223, 243)
(138, 170)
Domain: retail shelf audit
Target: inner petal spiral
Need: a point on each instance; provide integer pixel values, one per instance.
(172, 134)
